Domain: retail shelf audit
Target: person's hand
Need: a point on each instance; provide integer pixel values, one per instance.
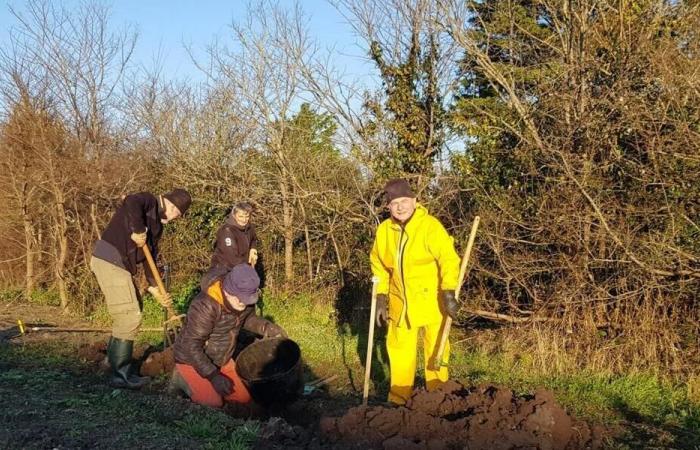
(165, 299)
(139, 238)
(382, 309)
(449, 304)
(273, 330)
(252, 257)
(222, 384)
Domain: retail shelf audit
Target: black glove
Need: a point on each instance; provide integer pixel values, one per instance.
(272, 330)
(222, 384)
(382, 309)
(449, 304)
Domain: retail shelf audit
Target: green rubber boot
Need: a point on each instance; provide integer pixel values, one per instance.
(119, 354)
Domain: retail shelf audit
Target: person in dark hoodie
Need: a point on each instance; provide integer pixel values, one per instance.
(137, 222)
(204, 368)
(236, 243)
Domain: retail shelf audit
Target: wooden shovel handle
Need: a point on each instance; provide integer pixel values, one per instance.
(370, 340)
(437, 362)
(156, 276)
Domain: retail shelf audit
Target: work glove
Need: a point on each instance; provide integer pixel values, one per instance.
(382, 309)
(165, 299)
(139, 238)
(252, 257)
(449, 304)
(272, 330)
(221, 383)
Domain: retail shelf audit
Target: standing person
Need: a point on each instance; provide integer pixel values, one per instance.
(137, 222)
(417, 266)
(204, 369)
(236, 243)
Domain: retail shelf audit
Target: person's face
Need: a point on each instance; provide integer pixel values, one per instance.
(402, 208)
(171, 211)
(241, 217)
(234, 302)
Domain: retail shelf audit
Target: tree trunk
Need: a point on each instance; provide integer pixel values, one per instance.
(288, 231)
(61, 228)
(309, 260)
(29, 246)
(93, 219)
(341, 276)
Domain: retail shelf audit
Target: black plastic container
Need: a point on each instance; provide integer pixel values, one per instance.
(271, 370)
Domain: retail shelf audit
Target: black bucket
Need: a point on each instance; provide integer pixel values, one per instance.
(271, 370)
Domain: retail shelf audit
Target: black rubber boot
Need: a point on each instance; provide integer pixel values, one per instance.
(119, 354)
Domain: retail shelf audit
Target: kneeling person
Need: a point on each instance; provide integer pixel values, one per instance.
(204, 369)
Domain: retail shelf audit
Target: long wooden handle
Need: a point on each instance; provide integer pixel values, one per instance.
(437, 362)
(370, 340)
(156, 275)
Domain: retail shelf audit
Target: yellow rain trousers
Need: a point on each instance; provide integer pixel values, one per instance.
(413, 263)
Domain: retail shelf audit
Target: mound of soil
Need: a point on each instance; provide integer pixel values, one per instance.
(158, 363)
(95, 352)
(484, 417)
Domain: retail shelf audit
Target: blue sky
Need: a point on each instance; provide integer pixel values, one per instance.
(165, 26)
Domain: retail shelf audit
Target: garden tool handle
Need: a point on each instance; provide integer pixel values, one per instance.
(370, 340)
(156, 275)
(437, 362)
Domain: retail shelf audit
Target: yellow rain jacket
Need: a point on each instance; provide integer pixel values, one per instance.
(413, 263)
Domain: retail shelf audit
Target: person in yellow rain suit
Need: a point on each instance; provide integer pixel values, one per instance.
(415, 261)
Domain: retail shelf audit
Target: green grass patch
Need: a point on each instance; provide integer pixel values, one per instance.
(53, 401)
(217, 430)
(604, 398)
(601, 397)
(11, 295)
(40, 296)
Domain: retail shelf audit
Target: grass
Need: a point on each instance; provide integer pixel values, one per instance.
(327, 347)
(642, 397)
(669, 407)
(603, 398)
(39, 296)
(51, 400)
(597, 396)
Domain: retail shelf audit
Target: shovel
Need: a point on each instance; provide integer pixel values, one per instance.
(370, 340)
(173, 322)
(437, 362)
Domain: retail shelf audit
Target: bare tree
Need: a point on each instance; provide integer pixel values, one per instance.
(69, 60)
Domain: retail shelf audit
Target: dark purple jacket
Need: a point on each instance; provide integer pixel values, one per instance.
(233, 244)
(137, 213)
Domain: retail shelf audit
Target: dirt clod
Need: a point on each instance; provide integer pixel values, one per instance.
(158, 363)
(94, 352)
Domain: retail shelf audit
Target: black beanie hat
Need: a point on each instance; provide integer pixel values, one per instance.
(397, 188)
(180, 198)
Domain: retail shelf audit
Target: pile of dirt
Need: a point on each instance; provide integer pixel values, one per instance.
(158, 363)
(484, 417)
(94, 353)
(154, 364)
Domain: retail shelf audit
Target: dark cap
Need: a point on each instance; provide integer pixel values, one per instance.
(397, 188)
(180, 198)
(243, 282)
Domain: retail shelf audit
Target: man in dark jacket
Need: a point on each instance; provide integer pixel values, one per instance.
(137, 222)
(204, 369)
(236, 243)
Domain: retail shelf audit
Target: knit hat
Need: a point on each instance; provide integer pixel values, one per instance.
(180, 198)
(243, 282)
(397, 188)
